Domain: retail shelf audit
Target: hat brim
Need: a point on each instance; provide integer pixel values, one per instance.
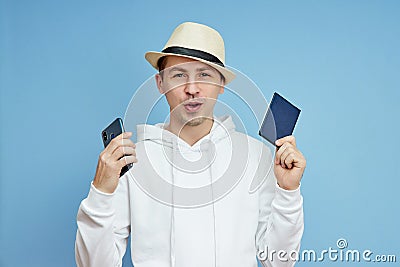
(152, 57)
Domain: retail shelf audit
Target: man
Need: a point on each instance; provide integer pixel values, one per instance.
(194, 215)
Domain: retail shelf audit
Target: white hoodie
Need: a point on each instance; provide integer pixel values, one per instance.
(183, 214)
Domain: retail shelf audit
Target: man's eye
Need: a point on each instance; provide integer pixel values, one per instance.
(203, 74)
(178, 75)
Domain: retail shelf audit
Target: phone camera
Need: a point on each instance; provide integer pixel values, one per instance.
(104, 136)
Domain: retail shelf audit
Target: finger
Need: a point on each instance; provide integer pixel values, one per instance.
(127, 160)
(290, 160)
(126, 150)
(296, 159)
(290, 138)
(125, 142)
(279, 153)
(121, 152)
(124, 135)
(114, 144)
(299, 160)
(283, 159)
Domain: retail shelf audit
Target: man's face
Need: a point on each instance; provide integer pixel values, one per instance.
(191, 88)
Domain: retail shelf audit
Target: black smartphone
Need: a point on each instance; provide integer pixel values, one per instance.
(113, 130)
(280, 119)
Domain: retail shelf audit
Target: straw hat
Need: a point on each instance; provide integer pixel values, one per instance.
(195, 41)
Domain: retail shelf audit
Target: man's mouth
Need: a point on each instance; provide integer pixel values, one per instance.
(193, 106)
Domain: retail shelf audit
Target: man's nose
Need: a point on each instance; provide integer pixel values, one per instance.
(192, 87)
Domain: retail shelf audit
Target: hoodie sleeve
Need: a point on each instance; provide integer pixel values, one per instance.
(103, 227)
(280, 224)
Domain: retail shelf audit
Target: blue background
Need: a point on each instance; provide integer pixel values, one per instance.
(68, 68)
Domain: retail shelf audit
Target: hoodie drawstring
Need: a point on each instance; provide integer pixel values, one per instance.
(172, 230)
(212, 201)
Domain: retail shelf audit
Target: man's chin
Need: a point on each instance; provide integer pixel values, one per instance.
(195, 121)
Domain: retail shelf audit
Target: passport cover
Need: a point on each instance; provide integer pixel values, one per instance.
(280, 119)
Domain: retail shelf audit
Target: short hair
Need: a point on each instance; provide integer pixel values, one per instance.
(162, 62)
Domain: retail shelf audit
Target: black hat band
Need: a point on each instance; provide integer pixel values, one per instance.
(193, 53)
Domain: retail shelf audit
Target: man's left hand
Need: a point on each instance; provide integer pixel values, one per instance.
(289, 163)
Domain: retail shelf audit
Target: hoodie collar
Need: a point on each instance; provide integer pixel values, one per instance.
(221, 128)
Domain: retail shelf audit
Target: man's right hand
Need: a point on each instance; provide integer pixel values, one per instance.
(119, 152)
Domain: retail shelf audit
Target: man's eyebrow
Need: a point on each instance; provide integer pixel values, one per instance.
(205, 68)
(185, 70)
(177, 69)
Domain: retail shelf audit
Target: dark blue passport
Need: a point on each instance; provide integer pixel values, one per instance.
(280, 119)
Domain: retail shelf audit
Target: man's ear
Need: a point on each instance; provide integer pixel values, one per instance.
(222, 88)
(159, 82)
